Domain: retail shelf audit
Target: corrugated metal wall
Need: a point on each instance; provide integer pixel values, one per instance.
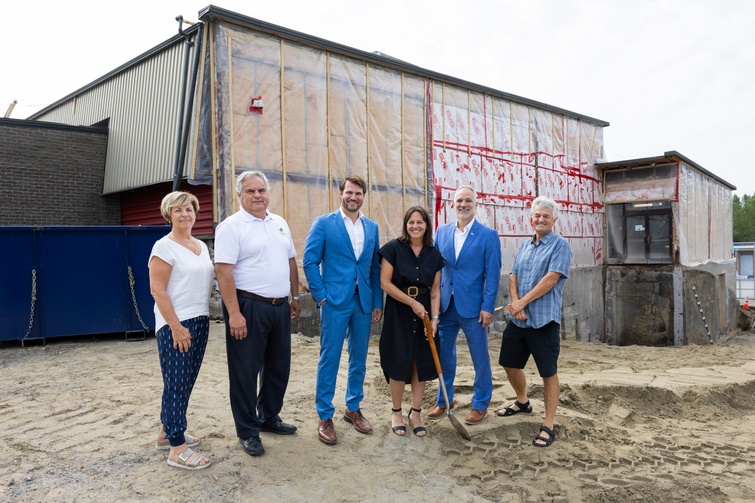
(142, 104)
(142, 206)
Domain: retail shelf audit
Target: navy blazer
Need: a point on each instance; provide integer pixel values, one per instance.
(474, 277)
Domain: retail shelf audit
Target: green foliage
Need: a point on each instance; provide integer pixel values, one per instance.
(744, 218)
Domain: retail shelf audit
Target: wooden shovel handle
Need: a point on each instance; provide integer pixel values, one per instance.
(431, 339)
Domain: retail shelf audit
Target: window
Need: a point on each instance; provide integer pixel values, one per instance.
(639, 233)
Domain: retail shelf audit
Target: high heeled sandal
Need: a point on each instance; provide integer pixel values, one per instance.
(418, 429)
(397, 429)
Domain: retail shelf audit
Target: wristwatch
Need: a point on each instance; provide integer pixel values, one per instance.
(294, 297)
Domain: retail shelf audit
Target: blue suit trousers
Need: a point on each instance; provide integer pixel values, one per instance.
(348, 322)
(449, 324)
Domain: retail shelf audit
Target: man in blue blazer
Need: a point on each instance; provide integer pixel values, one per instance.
(468, 290)
(342, 267)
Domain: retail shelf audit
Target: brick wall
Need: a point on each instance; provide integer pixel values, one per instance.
(52, 174)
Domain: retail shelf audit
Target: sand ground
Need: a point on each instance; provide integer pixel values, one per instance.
(79, 419)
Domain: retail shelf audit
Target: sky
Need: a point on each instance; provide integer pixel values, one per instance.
(666, 74)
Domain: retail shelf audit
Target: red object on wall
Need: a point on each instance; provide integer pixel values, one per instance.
(256, 106)
(142, 206)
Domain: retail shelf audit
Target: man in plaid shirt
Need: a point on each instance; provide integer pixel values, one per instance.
(536, 286)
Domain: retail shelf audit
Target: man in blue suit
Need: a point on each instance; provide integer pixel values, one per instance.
(468, 290)
(342, 267)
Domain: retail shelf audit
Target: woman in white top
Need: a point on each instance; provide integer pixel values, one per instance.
(181, 278)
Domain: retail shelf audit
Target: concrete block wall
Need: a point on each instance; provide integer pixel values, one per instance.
(583, 309)
(52, 174)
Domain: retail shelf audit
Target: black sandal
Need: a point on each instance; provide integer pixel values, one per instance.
(418, 429)
(546, 441)
(524, 408)
(396, 429)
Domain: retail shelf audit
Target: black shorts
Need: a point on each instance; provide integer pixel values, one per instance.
(544, 344)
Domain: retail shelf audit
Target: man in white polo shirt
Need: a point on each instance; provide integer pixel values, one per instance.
(255, 265)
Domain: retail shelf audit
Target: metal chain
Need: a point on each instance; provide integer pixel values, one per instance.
(131, 282)
(702, 314)
(33, 302)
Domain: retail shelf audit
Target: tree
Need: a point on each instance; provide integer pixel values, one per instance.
(743, 215)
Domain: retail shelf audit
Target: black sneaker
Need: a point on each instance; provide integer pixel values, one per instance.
(279, 428)
(252, 446)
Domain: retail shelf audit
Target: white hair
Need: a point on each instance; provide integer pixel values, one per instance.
(246, 174)
(544, 202)
(468, 187)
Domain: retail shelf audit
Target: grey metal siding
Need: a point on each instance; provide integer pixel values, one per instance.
(142, 105)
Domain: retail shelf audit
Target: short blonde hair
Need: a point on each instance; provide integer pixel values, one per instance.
(175, 199)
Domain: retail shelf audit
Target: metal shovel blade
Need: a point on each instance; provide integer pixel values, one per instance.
(455, 422)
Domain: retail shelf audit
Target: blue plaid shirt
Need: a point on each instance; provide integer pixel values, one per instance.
(532, 263)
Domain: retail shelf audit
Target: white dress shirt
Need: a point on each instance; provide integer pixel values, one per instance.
(355, 230)
(460, 236)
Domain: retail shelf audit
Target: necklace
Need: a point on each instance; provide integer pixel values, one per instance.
(193, 245)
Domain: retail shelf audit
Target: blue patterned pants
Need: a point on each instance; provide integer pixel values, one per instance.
(180, 372)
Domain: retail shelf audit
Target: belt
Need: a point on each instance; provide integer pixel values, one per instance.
(274, 301)
(413, 291)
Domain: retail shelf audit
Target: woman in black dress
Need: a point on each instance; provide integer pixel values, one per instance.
(410, 275)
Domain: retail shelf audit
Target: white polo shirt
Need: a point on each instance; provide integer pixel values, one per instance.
(259, 250)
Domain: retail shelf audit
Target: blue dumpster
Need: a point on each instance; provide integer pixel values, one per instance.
(62, 281)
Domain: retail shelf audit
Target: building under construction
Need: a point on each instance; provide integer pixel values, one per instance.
(651, 238)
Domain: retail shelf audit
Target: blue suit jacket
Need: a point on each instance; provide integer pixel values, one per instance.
(474, 277)
(333, 270)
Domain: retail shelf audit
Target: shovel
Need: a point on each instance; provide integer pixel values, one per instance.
(457, 425)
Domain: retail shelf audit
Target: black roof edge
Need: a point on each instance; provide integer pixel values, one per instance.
(158, 48)
(667, 157)
(212, 13)
(51, 125)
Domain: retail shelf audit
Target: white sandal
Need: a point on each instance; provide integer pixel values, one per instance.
(190, 465)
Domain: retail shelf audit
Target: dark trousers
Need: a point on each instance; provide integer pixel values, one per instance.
(265, 353)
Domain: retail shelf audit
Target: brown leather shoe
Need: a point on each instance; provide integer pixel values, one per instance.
(358, 420)
(326, 432)
(438, 411)
(476, 416)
